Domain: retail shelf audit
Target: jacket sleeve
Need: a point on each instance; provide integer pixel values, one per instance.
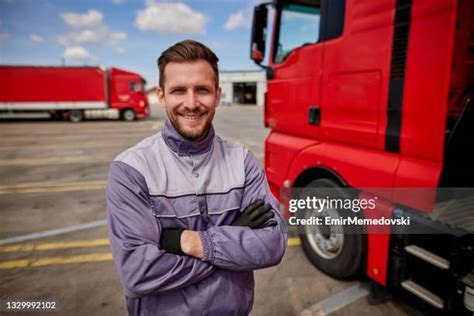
(243, 248)
(134, 233)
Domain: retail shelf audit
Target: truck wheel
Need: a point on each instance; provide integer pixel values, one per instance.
(336, 250)
(56, 115)
(128, 115)
(76, 116)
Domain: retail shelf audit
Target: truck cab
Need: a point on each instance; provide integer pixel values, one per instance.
(376, 96)
(127, 94)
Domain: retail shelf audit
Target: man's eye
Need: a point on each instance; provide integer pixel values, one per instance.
(203, 90)
(177, 91)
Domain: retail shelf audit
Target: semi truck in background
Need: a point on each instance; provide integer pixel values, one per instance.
(74, 93)
(376, 96)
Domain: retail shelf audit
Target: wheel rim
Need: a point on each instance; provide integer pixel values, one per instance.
(76, 117)
(327, 241)
(129, 115)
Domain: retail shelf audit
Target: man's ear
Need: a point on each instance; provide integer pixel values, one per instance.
(161, 96)
(219, 94)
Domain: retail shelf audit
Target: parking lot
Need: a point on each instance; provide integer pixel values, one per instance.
(53, 235)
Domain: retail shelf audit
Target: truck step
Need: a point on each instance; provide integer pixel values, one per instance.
(427, 256)
(423, 293)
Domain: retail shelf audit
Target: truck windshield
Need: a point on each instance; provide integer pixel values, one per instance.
(136, 86)
(299, 26)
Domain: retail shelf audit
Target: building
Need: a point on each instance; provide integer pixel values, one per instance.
(243, 87)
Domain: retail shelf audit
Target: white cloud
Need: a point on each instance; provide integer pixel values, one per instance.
(170, 18)
(76, 20)
(88, 29)
(239, 19)
(91, 36)
(118, 36)
(4, 36)
(36, 38)
(97, 35)
(77, 52)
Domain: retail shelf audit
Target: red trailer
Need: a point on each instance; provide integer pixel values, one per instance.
(73, 92)
(375, 96)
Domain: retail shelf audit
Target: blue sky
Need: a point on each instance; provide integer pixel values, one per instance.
(128, 34)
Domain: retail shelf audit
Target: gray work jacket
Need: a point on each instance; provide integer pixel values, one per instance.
(167, 181)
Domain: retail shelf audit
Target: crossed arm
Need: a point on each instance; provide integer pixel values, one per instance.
(147, 268)
(188, 242)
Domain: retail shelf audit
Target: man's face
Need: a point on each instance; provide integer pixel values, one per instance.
(190, 97)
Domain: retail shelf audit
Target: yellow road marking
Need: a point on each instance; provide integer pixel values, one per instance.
(46, 261)
(53, 186)
(56, 245)
(93, 257)
(14, 264)
(55, 160)
(294, 241)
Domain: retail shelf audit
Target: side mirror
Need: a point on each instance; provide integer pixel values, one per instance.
(259, 33)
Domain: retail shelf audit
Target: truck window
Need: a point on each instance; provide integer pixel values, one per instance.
(135, 86)
(299, 26)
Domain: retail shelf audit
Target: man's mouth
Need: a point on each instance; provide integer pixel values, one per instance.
(192, 118)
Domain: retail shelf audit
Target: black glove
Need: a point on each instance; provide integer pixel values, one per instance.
(255, 215)
(171, 240)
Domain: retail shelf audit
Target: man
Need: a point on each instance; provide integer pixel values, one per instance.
(190, 215)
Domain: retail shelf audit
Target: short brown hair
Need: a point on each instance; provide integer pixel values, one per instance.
(187, 51)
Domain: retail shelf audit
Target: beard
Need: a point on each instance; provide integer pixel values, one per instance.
(195, 133)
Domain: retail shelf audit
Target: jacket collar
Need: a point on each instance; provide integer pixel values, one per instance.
(183, 146)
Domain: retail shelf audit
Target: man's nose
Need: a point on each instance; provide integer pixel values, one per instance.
(191, 101)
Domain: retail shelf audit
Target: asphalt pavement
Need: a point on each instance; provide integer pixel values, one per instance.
(53, 237)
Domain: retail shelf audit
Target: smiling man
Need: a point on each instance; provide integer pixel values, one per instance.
(190, 215)
(190, 114)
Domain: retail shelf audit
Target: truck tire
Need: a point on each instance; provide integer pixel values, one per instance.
(56, 115)
(128, 115)
(76, 116)
(332, 249)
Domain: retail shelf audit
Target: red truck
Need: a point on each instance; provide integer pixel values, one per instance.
(376, 97)
(73, 92)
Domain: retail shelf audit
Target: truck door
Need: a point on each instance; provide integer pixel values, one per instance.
(295, 62)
